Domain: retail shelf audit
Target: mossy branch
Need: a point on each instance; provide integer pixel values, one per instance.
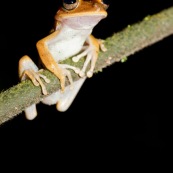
(120, 45)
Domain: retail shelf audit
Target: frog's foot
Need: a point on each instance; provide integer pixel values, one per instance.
(67, 73)
(87, 51)
(35, 77)
(91, 53)
(28, 70)
(91, 56)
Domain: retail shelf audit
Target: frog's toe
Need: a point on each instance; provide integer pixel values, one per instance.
(90, 73)
(102, 46)
(77, 70)
(44, 78)
(75, 59)
(35, 77)
(82, 74)
(34, 81)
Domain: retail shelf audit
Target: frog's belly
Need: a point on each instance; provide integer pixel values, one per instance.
(61, 49)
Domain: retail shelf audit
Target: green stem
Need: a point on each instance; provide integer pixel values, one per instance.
(120, 45)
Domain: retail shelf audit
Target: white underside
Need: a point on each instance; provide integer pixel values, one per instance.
(68, 43)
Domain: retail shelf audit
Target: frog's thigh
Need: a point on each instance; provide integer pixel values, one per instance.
(26, 63)
(69, 95)
(52, 98)
(65, 99)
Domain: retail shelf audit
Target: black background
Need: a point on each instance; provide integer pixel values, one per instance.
(129, 103)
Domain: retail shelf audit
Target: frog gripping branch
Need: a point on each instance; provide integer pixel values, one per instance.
(72, 37)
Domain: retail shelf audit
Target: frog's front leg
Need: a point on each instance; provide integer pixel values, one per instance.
(50, 63)
(91, 53)
(28, 69)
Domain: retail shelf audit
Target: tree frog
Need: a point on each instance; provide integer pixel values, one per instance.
(71, 37)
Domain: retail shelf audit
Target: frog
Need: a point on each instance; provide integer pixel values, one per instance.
(71, 38)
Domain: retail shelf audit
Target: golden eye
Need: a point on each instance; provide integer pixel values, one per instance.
(70, 4)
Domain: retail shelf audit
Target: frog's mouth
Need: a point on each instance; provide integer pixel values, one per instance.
(83, 22)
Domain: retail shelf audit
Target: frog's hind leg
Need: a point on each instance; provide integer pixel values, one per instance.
(28, 70)
(69, 95)
(63, 100)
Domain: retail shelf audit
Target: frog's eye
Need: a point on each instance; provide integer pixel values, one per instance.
(70, 4)
(105, 3)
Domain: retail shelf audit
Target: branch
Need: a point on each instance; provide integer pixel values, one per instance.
(120, 45)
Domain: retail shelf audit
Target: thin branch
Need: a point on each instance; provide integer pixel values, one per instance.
(120, 45)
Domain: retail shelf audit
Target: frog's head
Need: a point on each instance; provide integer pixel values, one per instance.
(82, 14)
